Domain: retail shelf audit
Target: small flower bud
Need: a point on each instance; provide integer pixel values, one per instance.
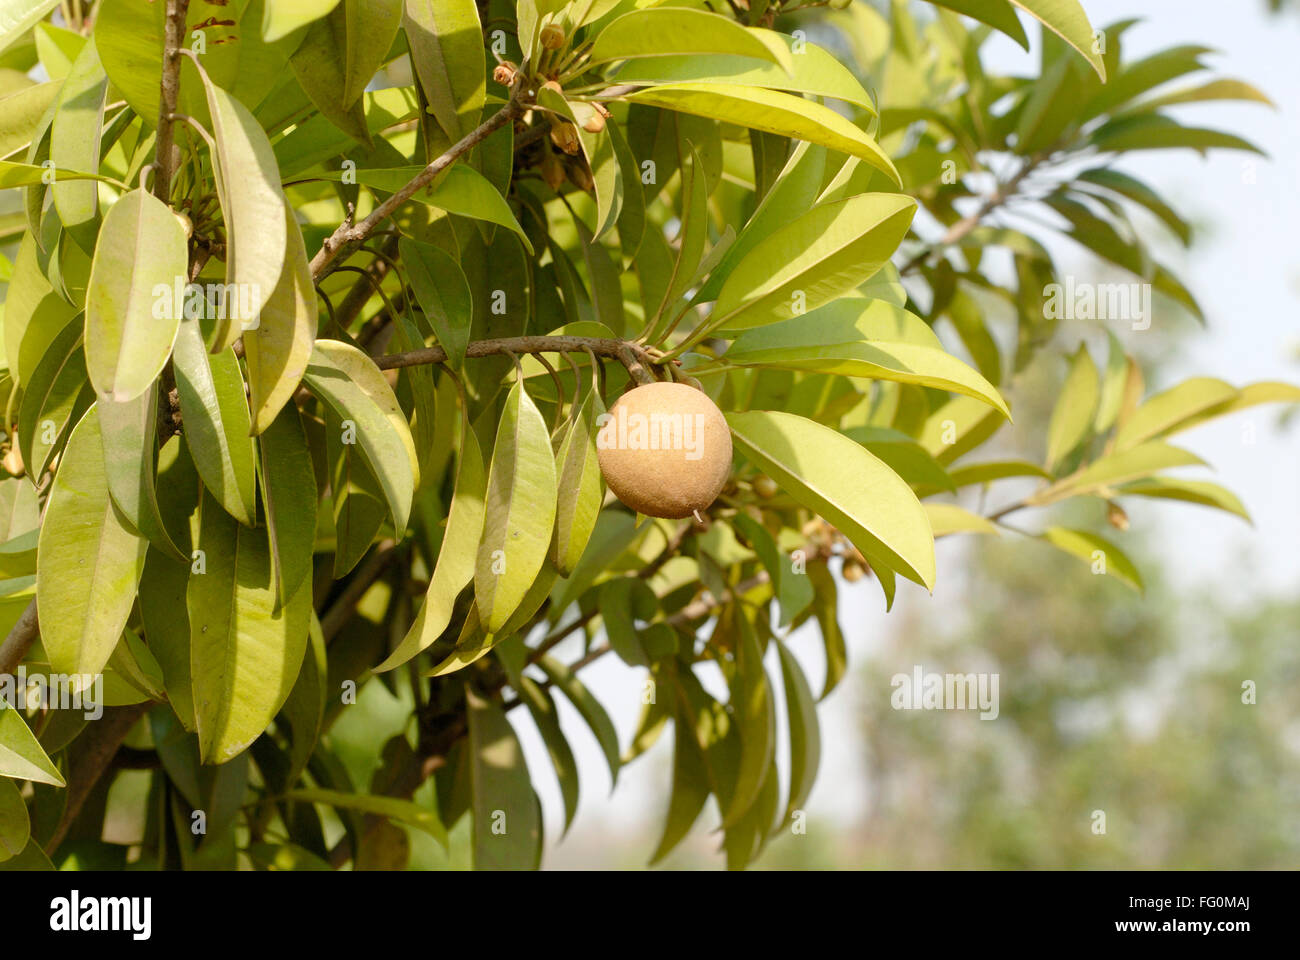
(552, 37)
(565, 136)
(580, 176)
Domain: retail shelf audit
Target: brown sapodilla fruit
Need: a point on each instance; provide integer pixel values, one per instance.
(665, 450)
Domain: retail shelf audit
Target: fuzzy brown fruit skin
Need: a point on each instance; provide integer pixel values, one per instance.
(692, 461)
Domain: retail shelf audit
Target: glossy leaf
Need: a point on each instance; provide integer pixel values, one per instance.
(840, 481)
(446, 41)
(21, 756)
(456, 558)
(132, 308)
(89, 560)
(443, 294)
(276, 351)
(1075, 409)
(245, 646)
(1102, 555)
(352, 386)
(217, 423)
(770, 111)
(519, 514)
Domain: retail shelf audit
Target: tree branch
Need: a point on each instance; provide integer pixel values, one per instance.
(632, 355)
(959, 230)
(173, 39)
(341, 244)
(20, 639)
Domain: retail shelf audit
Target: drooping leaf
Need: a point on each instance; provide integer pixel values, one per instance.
(288, 500)
(805, 732)
(1101, 555)
(130, 440)
(248, 185)
(21, 756)
(446, 41)
(519, 513)
(89, 561)
(507, 822)
(320, 66)
(371, 27)
(245, 647)
(565, 680)
(456, 558)
(541, 705)
(443, 294)
(75, 143)
(130, 329)
(352, 386)
(580, 487)
(217, 423)
(1072, 417)
(277, 349)
(394, 808)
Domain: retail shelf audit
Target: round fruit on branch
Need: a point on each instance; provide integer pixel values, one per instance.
(665, 450)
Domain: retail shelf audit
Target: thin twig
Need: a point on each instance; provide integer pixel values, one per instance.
(348, 237)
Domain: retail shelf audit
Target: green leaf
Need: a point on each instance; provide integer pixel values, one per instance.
(1133, 189)
(1102, 555)
(813, 71)
(826, 611)
(399, 811)
(89, 561)
(1190, 491)
(304, 710)
(1072, 417)
(1162, 413)
(22, 113)
(319, 64)
(863, 338)
(995, 470)
(75, 143)
(282, 17)
(371, 27)
(541, 705)
(19, 16)
(754, 714)
(460, 189)
(580, 487)
(21, 756)
(15, 825)
(443, 294)
(1122, 466)
(691, 787)
(130, 439)
(843, 483)
(456, 558)
(805, 732)
(959, 426)
(277, 349)
(998, 14)
(52, 401)
(215, 412)
(507, 821)
(676, 30)
(248, 186)
(815, 258)
(132, 307)
(1158, 132)
(347, 381)
(1067, 20)
(520, 511)
(446, 41)
(565, 680)
(770, 111)
(289, 500)
(1113, 381)
(245, 647)
(948, 518)
(1223, 89)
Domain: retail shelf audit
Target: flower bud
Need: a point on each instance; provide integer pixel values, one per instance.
(565, 136)
(504, 73)
(552, 37)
